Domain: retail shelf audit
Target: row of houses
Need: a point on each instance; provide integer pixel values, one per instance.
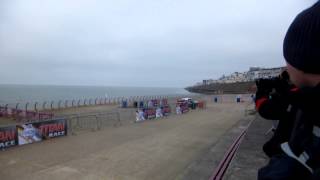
(251, 75)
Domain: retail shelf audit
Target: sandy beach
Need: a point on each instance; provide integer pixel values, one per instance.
(155, 149)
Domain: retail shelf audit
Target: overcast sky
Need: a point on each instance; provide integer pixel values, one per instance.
(167, 43)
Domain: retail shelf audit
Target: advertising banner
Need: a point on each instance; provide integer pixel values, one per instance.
(8, 137)
(184, 109)
(35, 132)
(150, 113)
(166, 111)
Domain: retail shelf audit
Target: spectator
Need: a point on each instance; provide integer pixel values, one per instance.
(140, 116)
(178, 109)
(159, 113)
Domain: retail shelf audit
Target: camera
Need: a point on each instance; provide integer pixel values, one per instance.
(280, 84)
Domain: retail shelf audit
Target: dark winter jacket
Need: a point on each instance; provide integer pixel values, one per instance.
(304, 142)
(272, 107)
(301, 153)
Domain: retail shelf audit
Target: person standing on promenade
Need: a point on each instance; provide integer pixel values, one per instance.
(301, 154)
(271, 105)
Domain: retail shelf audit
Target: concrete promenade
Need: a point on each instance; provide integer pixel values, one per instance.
(250, 157)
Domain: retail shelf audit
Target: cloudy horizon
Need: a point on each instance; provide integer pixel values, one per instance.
(172, 43)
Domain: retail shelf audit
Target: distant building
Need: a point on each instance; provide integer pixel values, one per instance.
(258, 73)
(251, 75)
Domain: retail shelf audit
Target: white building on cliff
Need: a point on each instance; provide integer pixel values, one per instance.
(251, 75)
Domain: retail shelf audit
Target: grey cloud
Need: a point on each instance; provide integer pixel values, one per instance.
(139, 43)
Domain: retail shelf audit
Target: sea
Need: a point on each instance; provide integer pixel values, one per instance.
(13, 94)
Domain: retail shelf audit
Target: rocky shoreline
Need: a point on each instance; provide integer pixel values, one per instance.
(224, 88)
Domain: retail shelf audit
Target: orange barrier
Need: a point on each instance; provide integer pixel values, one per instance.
(202, 104)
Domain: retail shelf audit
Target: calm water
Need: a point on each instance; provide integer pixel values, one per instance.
(11, 94)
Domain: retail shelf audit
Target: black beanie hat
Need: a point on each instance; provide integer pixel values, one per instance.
(301, 46)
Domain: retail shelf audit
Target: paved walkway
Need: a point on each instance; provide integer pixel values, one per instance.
(250, 157)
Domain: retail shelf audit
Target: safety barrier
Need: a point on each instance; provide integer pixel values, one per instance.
(27, 133)
(92, 121)
(37, 111)
(60, 126)
(33, 112)
(60, 104)
(24, 116)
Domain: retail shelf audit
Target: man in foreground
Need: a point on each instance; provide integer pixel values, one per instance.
(300, 155)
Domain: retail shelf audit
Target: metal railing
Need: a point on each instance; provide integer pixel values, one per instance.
(31, 112)
(71, 103)
(92, 121)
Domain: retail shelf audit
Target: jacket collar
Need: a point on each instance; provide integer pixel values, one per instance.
(306, 98)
